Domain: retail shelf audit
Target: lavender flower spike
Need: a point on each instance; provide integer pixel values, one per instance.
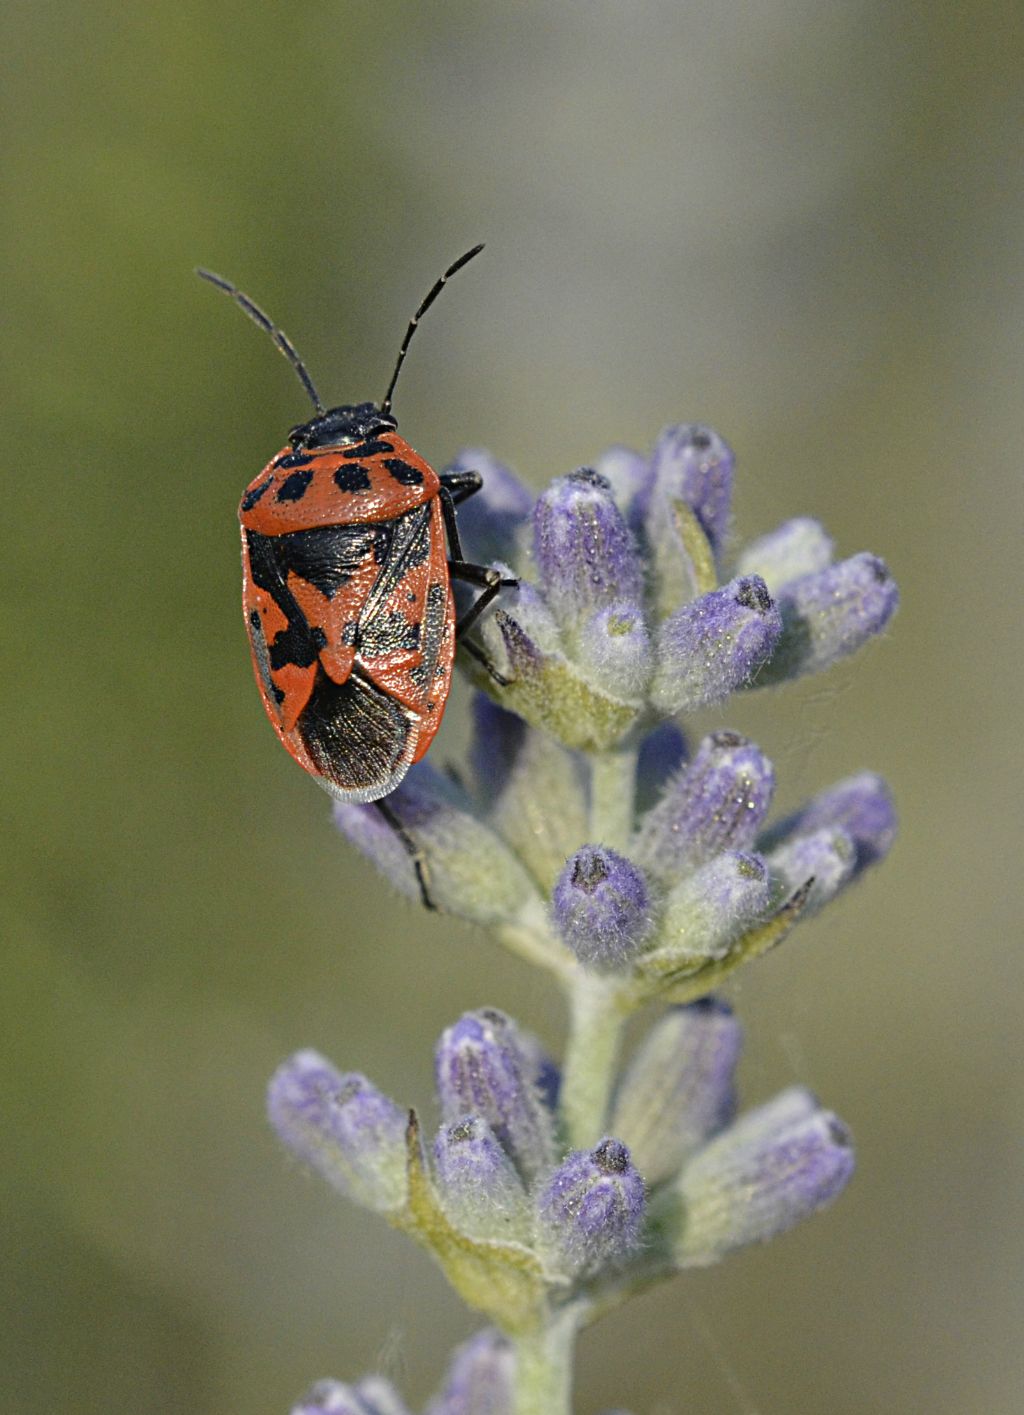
(829, 615)
(584, 549)
(478, 1185)
(590, 1213)
(774, 1167)
(374, 1396)
(480, 1378)
(343, 1127)
(602, 908)
(718, 802)
(482, 1068)
(714, 645)
(678, 1090)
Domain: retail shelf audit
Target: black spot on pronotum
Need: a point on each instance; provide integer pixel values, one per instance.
(250, 498)
(254, 618)
(753, 594)
(351, 479)
(368, 449)
(294, 487)
(403, 472)
(294, 459)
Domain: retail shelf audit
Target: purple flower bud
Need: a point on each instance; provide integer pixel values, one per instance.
(692, 463)
(705, 915)
(480, 1379)
(343, 1127)
(482, 1068)
(678, 1089)
(861, 805)
(714, 645)
(775, 1166)
(492, 523)
(583, 548)
(828, 856)
(498, 739)
(717, 802)
(614, 651)
(374, 1396)
(629, 474)
(602, 908)
(794, 549)
(478, 1185)
(471, 871)
(829, 615)
(662, 752)
(522, 633)
(591, 1211)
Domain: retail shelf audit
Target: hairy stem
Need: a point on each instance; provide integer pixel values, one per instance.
(598, 1011)
(612, 787)
(544, 1361)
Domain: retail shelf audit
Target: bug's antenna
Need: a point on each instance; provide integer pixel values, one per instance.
(279, 337)
(385, 407)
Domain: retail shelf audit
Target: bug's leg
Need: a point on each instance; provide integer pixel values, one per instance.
(460, 486)
(490, 582)
(416, 856)
(485, 661)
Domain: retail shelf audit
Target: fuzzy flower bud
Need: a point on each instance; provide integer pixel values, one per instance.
(705, 915)
(374, 1396)
(483, 1068)
(602, 908)
(678, 1089)
(343, 1127)
(583, 549)
(479, 1188)
(480, 1378)
(794, 549)
(614, 651)
(861, 806)
(492, 522)
(690, 464)
(630, 475)
(471, 871)
(829, 615)
(826, 856)
(717, 802)
(773, 1167)
(714, 645)
(591, 1211)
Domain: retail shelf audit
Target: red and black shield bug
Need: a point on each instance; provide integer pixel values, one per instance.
(349, 547)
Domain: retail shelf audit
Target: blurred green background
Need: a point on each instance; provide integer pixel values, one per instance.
(800, 222)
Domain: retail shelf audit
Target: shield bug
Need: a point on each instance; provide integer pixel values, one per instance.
(349, 547)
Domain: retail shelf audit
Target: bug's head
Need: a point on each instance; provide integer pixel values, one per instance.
(340, 427)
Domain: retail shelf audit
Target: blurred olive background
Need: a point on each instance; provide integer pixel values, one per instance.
(800, 222)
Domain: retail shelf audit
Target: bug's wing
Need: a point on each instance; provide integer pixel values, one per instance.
(358, 739)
